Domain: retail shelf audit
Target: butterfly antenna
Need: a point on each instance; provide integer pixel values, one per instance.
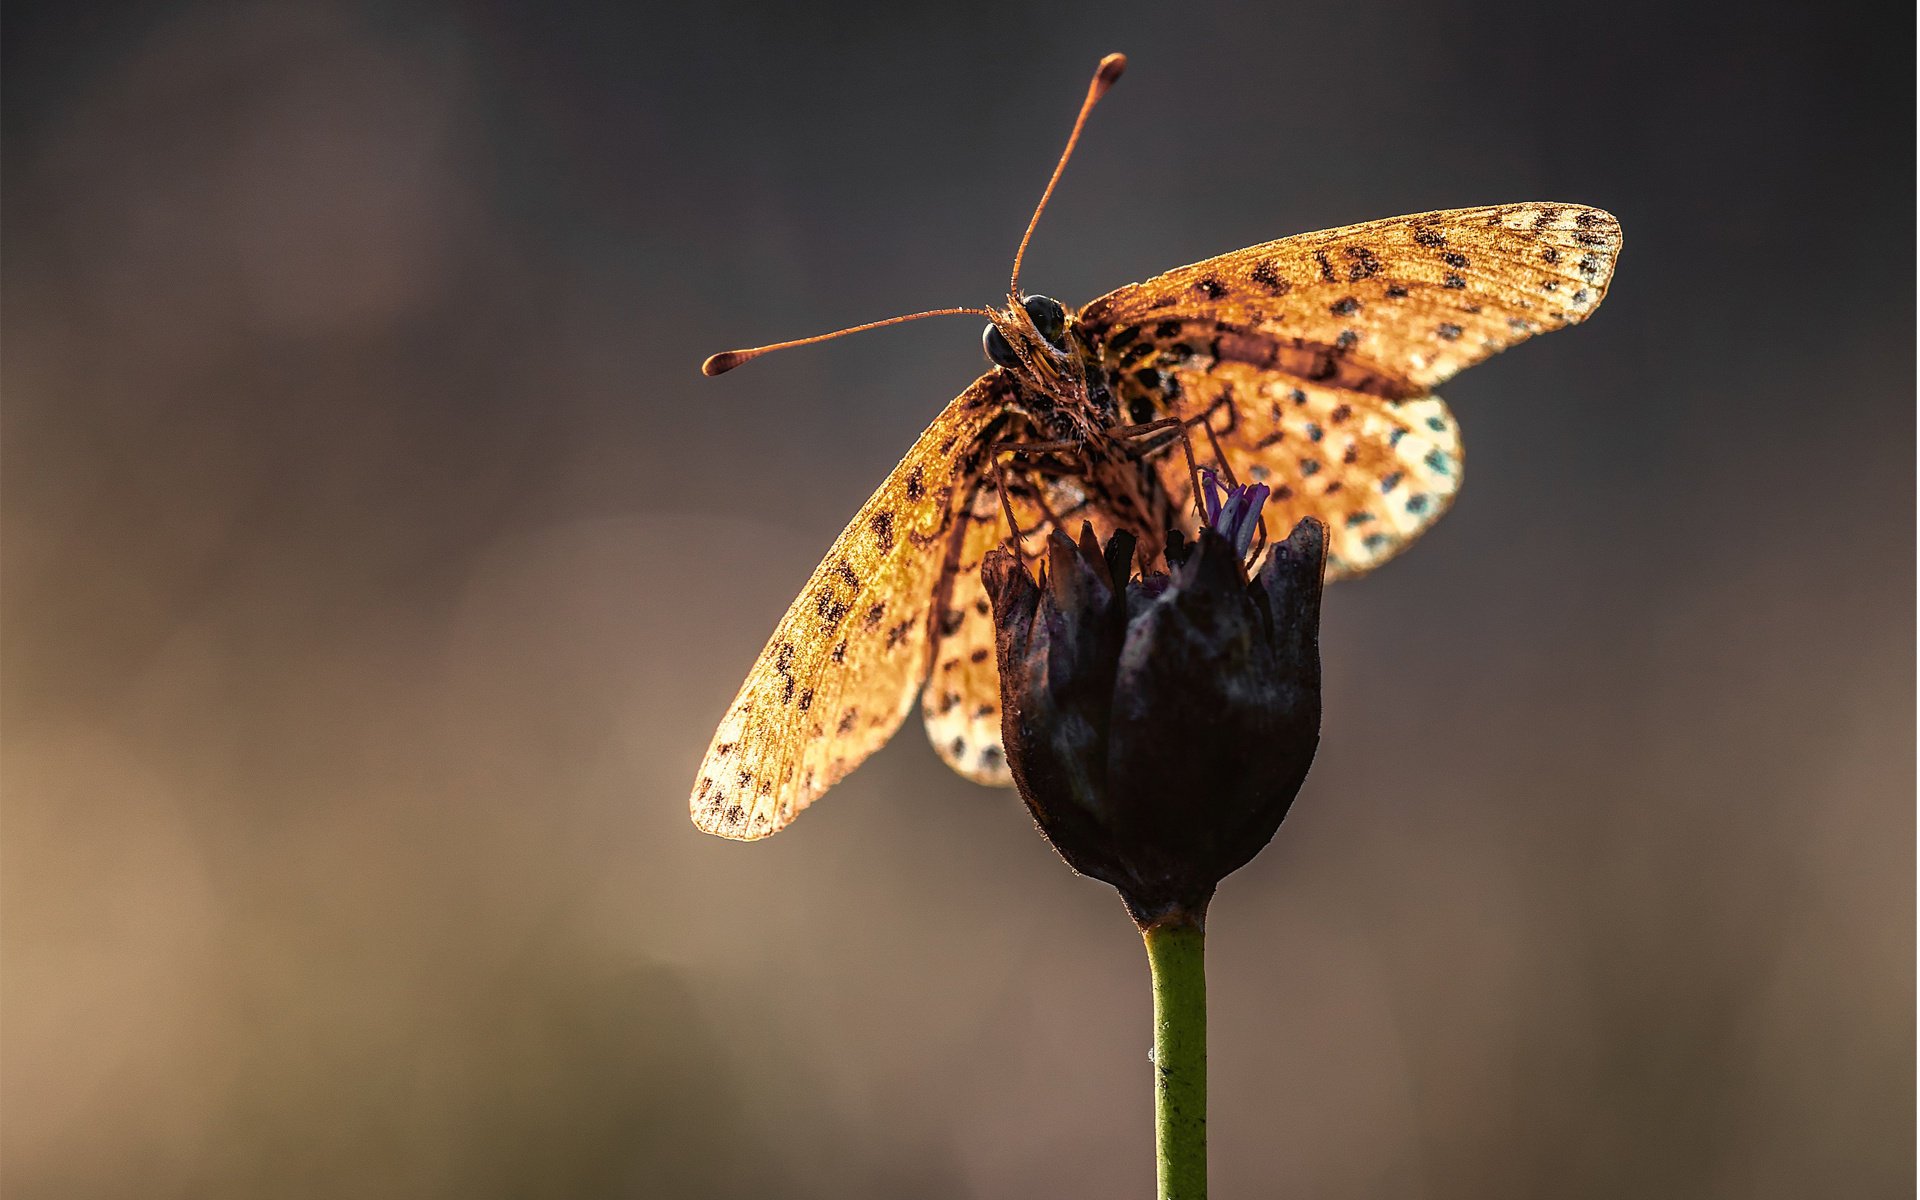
(1103, 78)
(727, 360)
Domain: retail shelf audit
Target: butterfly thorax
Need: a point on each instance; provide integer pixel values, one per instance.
(1059, 385)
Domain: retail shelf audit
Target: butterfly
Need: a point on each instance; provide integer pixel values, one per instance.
(1306, 364)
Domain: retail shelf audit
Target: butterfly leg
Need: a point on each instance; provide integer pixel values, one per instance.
(1205, 421)
(1179, 427)
(1014, 532)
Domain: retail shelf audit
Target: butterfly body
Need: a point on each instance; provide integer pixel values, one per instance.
(1307, 364)
(1060, 380)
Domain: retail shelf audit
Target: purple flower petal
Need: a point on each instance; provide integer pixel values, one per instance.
(1233, 512)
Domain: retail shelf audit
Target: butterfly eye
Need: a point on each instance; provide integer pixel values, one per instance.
(998, 350)
(1049, 318)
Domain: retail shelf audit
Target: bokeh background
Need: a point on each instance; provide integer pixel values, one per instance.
(377, 565)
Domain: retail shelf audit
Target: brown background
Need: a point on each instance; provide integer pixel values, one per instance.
(377, 565)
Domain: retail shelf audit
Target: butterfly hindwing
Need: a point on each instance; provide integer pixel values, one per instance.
(1378, 472)
(961, 704)
(842, 668)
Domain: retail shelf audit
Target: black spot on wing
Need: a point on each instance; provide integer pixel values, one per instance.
(1362, 263)
(1265, 274)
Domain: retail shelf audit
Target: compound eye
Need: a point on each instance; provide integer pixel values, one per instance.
(998, 350)
(1049, 317)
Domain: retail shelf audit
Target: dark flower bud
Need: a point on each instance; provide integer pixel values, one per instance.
(1159, 728)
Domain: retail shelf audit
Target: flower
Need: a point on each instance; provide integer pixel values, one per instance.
(1236, 515)
(1159, 727)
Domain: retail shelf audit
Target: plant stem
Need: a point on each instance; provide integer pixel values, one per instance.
(1176, 949)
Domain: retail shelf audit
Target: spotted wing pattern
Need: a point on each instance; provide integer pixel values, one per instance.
(1312, 357)
(1377, 471)
(1395, 306)
(842, 668)
(961, 703)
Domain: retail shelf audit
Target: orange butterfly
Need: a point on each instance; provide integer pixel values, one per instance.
(1305, 363)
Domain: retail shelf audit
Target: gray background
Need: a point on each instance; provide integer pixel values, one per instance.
(378, 564)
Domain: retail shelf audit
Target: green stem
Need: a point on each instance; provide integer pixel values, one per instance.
(1176, 949)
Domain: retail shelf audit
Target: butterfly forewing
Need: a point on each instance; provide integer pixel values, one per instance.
(842, 668)
(1395, 306)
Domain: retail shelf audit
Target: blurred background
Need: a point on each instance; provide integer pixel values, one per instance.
(377, 565)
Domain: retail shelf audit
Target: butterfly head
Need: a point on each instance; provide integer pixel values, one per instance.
(1035, 341)
(1029, 337)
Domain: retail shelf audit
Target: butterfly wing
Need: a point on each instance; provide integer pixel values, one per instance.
(842, 668)
(1387, 307)
(1313, 356)
(1377, 472)
(961, 704)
